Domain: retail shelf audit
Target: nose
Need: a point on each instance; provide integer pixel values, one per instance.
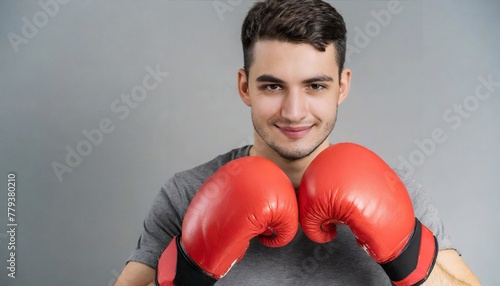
(294, 106)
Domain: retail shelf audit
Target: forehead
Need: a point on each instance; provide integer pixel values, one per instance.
(292, 60)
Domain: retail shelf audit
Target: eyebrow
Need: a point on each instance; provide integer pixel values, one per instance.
(318, 78)
(270, 78)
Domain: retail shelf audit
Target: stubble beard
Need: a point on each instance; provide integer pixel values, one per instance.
(293, 154)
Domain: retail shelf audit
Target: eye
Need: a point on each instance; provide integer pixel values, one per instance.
(317, 86)
(273, 87)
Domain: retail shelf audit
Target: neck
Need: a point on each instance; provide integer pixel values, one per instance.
(294, 169)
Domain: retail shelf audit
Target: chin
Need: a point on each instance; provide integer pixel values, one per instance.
(294, 152)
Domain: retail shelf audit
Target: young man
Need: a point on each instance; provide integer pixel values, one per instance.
(293, 80)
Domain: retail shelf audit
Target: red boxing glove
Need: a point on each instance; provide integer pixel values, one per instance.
(247, 197)
(349, 184)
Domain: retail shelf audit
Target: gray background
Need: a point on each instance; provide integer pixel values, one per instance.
(64, 79)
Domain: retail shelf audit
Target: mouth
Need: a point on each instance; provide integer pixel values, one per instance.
(295, 132)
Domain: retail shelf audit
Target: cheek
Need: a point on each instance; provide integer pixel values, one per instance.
(265, 108)
(324, 108)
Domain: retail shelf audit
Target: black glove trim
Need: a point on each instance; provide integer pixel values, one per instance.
(407, 261)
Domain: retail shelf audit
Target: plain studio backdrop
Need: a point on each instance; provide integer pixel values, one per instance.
(103, 101)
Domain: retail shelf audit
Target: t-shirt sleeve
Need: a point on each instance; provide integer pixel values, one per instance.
(425, 210)
(161, 224)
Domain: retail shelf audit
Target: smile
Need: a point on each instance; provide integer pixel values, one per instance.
(294, 132)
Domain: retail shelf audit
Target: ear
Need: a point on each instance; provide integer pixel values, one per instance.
(344, 85)
(243, 87)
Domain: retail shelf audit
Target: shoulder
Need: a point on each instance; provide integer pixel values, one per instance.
(421, 199)
(187, 182)
(175, 195)
(414, 188)
(199, 174)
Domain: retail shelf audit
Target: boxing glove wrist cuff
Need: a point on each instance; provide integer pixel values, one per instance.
(187, 272)
(416, 261)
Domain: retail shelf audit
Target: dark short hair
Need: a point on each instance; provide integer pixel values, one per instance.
(296, 21)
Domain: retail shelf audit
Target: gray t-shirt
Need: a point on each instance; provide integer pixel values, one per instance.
(301, 262)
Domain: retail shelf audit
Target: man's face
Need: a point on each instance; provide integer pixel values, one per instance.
(293, 91)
